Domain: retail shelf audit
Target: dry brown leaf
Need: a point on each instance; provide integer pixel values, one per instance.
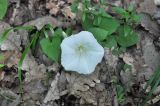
(13, 98)
(1, 75)
(10, 58)
(53, 7)
(150, 25)
(68, 13)
(33, 69)
(40, 22)
(150, 54)
(9, 78)
(148, 6)
(85, 87)
(128, 59)
(53, 92)
(69, 1)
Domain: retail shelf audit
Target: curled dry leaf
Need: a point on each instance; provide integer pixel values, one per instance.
(68, 13)
(53, 7)
(40, 22)
(150, 25)
(53, 92)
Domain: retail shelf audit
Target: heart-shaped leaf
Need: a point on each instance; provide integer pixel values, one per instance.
(126, 40)
(51, 48)
(110, 42)
(99, 34)
(109, 24)
(87, 22)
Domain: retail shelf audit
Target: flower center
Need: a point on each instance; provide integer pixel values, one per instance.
(80, 49)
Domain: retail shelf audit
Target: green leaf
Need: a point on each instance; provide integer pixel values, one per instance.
(83, 16)
(51, 48)
(103, 13)
(3, 8)
(2, 65)
(122, 12)
(136, 18)
(74, 6)
(120, 92)
(87, 22)
(87, 3)
(126, 16)
(127, 67)
(97, 20)
(50, 27)
(110, 42)
(117, 51)
(58, 32)
(102, 1)
(109, 24)
(1, 57)
(99, 34)
(131, 8)
(69, 31)
(127, 29)
(119, 10)
(126, 40)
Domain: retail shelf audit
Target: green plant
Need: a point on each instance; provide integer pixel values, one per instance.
(46, 41)
(120, 94)
(111, 32)
(153, 83)
(3, 8)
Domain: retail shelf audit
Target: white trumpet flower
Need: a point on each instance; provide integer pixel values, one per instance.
(81, 52)
(157, 2)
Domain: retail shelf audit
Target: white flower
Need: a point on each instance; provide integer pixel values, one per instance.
(157, 2)
(81, 52)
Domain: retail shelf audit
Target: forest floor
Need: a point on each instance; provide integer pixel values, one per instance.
(47, 84)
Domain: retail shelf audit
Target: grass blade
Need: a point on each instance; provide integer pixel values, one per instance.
(24, 55)
(153, 82)
(5, 34)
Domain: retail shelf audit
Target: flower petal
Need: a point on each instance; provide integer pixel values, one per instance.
(86, 62)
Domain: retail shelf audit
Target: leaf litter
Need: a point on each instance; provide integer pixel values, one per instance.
(50, 85)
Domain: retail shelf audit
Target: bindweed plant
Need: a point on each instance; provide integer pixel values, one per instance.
(76, 52)
(111, 32)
